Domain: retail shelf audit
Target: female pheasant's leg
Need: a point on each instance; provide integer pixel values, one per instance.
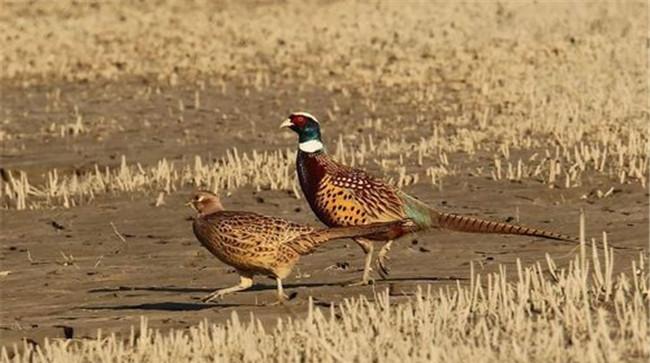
(382, 260)
(281, 296)
(245, 282)
(367, 247)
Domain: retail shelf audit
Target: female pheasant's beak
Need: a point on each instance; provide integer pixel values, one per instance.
(205, 203)
(286, 123)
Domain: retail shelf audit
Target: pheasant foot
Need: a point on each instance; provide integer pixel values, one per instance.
(245, 282)
(382, 260)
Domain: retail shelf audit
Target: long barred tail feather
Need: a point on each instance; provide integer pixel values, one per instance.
(426, 218)
(462, 223)
(475, 225)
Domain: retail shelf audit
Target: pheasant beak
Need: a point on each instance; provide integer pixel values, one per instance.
(286, 123)
(190, 204)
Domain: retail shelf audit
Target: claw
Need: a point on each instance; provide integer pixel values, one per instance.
(212, 297)
(382, 260)
(282, 299)
(382, 263)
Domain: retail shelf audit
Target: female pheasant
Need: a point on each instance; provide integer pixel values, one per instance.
(255, 244)
(341, 195)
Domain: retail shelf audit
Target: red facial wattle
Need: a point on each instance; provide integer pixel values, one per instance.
(299, 121)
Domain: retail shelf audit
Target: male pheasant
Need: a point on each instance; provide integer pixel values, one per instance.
(341, 195)
(256, 244)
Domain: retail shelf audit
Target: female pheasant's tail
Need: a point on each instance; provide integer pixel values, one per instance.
(377, 231)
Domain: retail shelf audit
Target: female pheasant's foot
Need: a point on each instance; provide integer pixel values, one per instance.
(244, 283)
(217, 295)
(382, 260)
(282, 297)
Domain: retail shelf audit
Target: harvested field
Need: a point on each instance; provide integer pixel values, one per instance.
(112, 113)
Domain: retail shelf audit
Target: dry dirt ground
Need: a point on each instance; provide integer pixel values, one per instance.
(468, 89)
(71, 274)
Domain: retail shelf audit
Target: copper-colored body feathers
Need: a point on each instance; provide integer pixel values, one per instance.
(341, 196)
(347, 196)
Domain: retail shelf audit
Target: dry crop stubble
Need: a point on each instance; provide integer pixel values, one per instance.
(579, 313)
(533, 96)
(549, 88)
(562, 168)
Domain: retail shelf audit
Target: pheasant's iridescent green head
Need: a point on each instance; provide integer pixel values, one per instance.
(308, 130)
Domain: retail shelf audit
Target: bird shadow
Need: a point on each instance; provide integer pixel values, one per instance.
(150, 288)
(163, 306)
(265, 287)
(256, 287)
(184, 306)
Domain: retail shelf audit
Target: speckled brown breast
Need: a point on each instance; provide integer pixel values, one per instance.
(348, 202)
(247, 241)
(343, 196)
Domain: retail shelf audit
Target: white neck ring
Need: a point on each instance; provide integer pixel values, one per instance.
(311, 146)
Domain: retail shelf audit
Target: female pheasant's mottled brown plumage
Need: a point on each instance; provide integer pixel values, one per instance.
(256, 244)
(344, 196)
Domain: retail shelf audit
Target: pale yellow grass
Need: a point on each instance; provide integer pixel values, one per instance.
(399, 160)
(568, 81)
(582, 313)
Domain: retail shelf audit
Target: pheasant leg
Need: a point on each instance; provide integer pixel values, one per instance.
(281, 294)
(282, 298)
(245, 282)
(382, 260)
(367, 247)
